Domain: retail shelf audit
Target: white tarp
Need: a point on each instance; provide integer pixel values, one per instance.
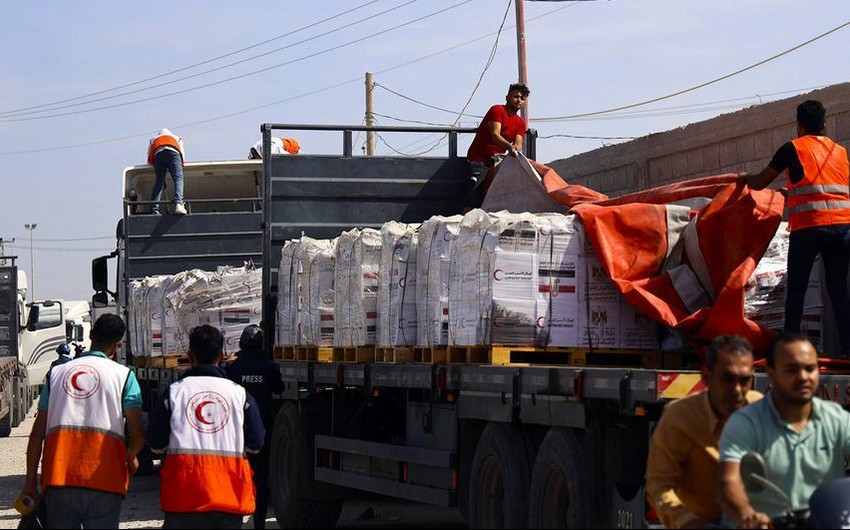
(517, 187)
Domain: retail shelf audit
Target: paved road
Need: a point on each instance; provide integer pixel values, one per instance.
(141, 508)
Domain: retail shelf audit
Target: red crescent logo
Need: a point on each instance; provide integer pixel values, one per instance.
(199, 412)
(447, 236)
(401, 282)
(207, 412)
(74, 382)
(73, 386)
(540, 322)
(498, 274)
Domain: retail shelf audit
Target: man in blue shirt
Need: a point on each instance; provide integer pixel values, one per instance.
(82, 412)
(804, 440)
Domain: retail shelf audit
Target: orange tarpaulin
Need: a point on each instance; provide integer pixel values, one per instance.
(681, 253)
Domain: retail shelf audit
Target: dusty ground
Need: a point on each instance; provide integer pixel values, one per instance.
(141, 507)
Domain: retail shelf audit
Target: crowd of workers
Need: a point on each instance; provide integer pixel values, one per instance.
(212, 425)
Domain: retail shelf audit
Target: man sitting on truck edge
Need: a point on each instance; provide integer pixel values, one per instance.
(804, 440)
(206, 423)
(818, 214)
(280, 146)
(80, 423)
(681, 472)
(261, 378)
(502, 130)
(166, 153)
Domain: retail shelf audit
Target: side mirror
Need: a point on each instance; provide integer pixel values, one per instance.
(753, 468)
(79, 334)
(99, 300)
(32, 318)
(100, 274)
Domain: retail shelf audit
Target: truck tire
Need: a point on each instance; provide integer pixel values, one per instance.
(290, 469)
(559, 482)
(6, 421)
(500, 478)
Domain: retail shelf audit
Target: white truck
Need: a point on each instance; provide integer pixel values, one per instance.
(29, 336)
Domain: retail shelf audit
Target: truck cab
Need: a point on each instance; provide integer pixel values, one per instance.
(48, 324)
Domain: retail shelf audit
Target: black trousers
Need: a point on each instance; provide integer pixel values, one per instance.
(260, 464)
(833, 245)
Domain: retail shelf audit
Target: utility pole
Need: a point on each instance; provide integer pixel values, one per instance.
(520, 48)
(370, 116)
(31, 228)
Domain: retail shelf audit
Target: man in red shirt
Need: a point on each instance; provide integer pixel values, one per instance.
(501, 130)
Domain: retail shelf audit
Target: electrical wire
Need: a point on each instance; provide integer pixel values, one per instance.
(247, 74)
(369, 18)
(696, 87)
(195, 65)
(60, 249)
(284, 100)
(62, 240)
(587, 137)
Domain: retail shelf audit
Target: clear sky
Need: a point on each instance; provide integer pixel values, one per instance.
(582, 57)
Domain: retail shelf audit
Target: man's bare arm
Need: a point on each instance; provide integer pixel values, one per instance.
(137, 437)
(733, 498)
(34, 448)
(496, 136)
(761, 180)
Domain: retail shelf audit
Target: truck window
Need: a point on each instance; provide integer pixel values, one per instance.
(48, 317)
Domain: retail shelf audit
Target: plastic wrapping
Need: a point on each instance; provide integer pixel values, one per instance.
(397, 293)
(286, 323)
(317, 258)
(164, 309)
(356, 284)
(471, 275)
(433, 253)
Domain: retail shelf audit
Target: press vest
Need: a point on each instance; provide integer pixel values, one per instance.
(164, 140)
(206, 469)
(821, 197)
(85, 426)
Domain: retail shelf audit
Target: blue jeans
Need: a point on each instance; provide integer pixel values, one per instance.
(833, 245)
(167, 160)
(81, 508)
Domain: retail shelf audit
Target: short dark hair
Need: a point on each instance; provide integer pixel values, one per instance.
(522, 89)
(811, 115)
(731, 343)
(108, 329)
(205, 343)
(786, 337)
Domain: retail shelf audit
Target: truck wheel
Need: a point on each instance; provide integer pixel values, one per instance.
(499, 479)
(559, 485)
(290, 469)
(6, 421)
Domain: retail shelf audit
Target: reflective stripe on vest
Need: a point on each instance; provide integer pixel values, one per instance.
(84, 446)
(206, 469)
(164, 140)
(821, 197)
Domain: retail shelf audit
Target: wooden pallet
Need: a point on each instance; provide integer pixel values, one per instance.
(397, 354)
(353, 354)
(468, 355)
(430, 354)
(163, 361)
(322, 354)
(501, 354)
(284, 353)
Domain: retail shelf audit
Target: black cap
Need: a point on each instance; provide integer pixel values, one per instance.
(252, 338)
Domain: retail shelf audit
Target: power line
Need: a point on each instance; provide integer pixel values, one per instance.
(587, 137)
(61, 249)
(247, 74)
(95, 238)
(284, 100)
(195, 65)
(17, 117)
(480, 77)
(428, 105)
(701, 85)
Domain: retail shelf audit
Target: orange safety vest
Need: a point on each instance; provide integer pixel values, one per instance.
(85, 426)
(821, 197)
(164, 140)
(206, 469)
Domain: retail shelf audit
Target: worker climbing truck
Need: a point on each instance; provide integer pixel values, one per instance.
(522, 440)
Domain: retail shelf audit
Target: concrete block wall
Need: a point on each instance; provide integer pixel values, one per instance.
(740, 141)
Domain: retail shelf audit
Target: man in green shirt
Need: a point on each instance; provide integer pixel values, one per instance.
(804, 440)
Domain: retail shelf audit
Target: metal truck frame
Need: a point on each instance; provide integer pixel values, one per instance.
(515, 445)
